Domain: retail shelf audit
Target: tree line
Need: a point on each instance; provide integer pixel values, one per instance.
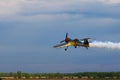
(20, 74)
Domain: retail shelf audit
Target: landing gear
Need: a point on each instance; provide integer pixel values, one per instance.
(75, 46)
(66, 48)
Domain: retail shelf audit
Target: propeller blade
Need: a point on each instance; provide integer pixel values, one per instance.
(62, 41)
(66, 35)
(65, 38)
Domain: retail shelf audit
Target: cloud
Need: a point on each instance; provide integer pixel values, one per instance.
(86, 8)
(9, 7)
(81, 7)
(113, 1)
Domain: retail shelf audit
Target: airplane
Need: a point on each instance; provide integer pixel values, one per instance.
(73, 42)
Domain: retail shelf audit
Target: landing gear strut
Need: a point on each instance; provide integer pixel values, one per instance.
(66, 48)
(75, 46)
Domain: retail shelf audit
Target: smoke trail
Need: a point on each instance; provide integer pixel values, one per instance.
(108, 44)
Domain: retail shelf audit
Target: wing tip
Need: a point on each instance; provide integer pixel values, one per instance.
(54, 46)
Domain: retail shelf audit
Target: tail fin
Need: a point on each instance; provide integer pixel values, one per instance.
(86, 42)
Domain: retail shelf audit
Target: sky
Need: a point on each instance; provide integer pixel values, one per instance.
(30, 28)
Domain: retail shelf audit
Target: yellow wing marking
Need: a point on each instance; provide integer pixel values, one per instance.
(70, 43)
(65, 44)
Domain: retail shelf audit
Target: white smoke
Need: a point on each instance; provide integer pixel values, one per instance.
(108, 44)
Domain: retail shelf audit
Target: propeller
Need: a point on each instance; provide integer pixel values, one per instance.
(66, 39)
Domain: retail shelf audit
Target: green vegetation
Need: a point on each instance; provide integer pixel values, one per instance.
(19, 74)
(90, 75)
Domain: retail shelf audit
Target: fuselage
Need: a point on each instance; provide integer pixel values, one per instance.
(74, 43)
(77, 42)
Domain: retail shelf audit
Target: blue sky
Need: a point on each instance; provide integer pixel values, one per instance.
(29, 29)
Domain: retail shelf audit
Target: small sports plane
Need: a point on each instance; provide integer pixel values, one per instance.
(73, 42)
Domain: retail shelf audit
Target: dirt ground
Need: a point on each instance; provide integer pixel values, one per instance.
(60, 79)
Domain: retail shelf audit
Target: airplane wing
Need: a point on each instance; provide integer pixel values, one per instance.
(63, 45)
(60, 45)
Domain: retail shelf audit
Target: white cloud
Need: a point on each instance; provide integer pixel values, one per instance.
(105, 1)
(113, 1)
(8, 7)
(45, 9)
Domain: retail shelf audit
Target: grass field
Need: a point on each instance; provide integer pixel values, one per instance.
(60, 76)
(62, 79)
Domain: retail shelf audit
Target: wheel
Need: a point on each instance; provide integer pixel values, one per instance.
(65, 49)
